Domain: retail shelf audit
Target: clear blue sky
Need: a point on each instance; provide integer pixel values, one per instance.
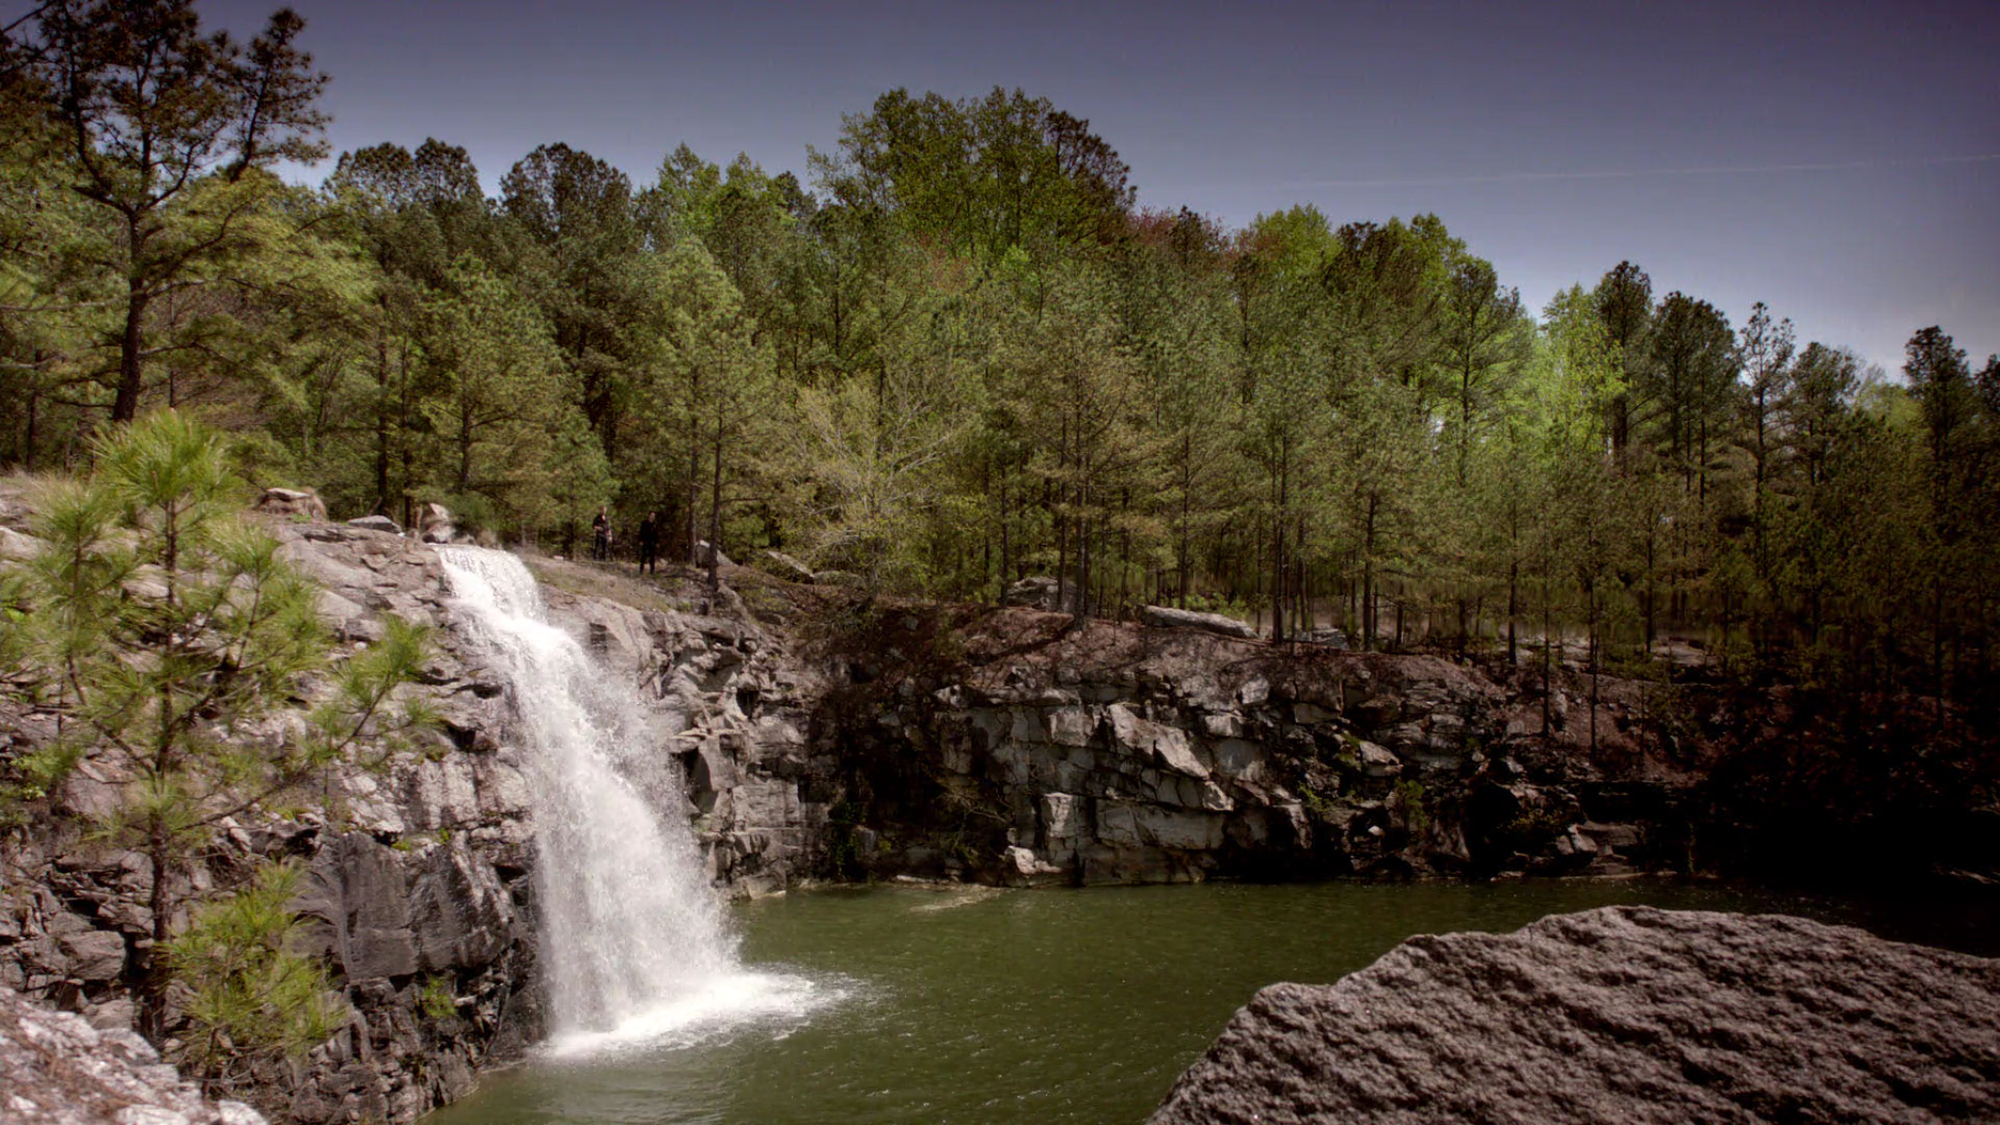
(1839, 161)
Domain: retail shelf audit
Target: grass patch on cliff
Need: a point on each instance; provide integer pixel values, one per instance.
(1410, 794)
(596, 580)
(1531, 830)
(437, 1000)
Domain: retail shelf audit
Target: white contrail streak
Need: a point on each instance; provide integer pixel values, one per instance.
(1639, 173)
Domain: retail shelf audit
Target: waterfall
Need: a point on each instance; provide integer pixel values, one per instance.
(635, 946)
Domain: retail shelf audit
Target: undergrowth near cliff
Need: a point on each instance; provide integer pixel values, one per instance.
(252, 996)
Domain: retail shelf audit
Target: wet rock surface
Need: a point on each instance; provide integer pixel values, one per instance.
(1627, 1015)
(56, 1069)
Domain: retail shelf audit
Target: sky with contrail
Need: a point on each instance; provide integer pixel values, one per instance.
(1641, 173)
(1837, 160)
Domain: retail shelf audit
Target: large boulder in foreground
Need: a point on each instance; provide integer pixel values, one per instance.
(1627, 1014)
(56, 1069)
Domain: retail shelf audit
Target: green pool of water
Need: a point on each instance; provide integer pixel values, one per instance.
(1051, 1006)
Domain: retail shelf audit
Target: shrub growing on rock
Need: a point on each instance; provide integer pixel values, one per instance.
(252, 997)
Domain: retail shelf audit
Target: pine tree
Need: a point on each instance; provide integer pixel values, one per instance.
(717, 391)
(166, 124)
(1073, 389)
(165, 629)
(875, 450)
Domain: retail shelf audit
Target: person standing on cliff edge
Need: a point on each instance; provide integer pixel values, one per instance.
(600, 536)
(649, 543)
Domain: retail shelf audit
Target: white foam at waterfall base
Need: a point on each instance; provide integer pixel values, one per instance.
(704, 1013)
(635, 947)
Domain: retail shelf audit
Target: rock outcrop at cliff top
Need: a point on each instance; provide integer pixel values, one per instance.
(1163, 617)
(1626, 1014)
(56, 1069)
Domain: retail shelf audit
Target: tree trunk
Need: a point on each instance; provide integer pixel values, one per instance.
(409, 474)
(1651, 594)
(1593, 671)
(30, 439)
(1006, 537)
(715, 511)
(382, 425)
(153, 968)
(1187, 496)
(131, 354)
(694, 475)
(1278, 554)
(464, 449)
(1369, 609)
(1513, 610)
(1548, 673)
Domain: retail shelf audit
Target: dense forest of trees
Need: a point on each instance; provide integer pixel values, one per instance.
(961, 354)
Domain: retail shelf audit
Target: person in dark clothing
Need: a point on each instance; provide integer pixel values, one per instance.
(649, 543)
(600, 536)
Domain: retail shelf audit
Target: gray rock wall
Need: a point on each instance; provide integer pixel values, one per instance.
(1017, 748)
(736, 710)
(1111, 753)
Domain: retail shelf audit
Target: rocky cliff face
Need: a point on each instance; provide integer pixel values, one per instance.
(1020, 747)
(420, 884)
(1626, 1014)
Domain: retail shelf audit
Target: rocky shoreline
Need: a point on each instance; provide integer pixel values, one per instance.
(821, 735)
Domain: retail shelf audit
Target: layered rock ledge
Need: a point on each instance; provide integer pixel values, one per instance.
(1025, 747)
(1630, 1015)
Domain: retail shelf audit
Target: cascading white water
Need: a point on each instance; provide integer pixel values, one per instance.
(634, 943)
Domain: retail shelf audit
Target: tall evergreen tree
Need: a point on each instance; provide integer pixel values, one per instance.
(164, 125)
(158, 685)
(1625, 305)
(577, 212)
(717, 391)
